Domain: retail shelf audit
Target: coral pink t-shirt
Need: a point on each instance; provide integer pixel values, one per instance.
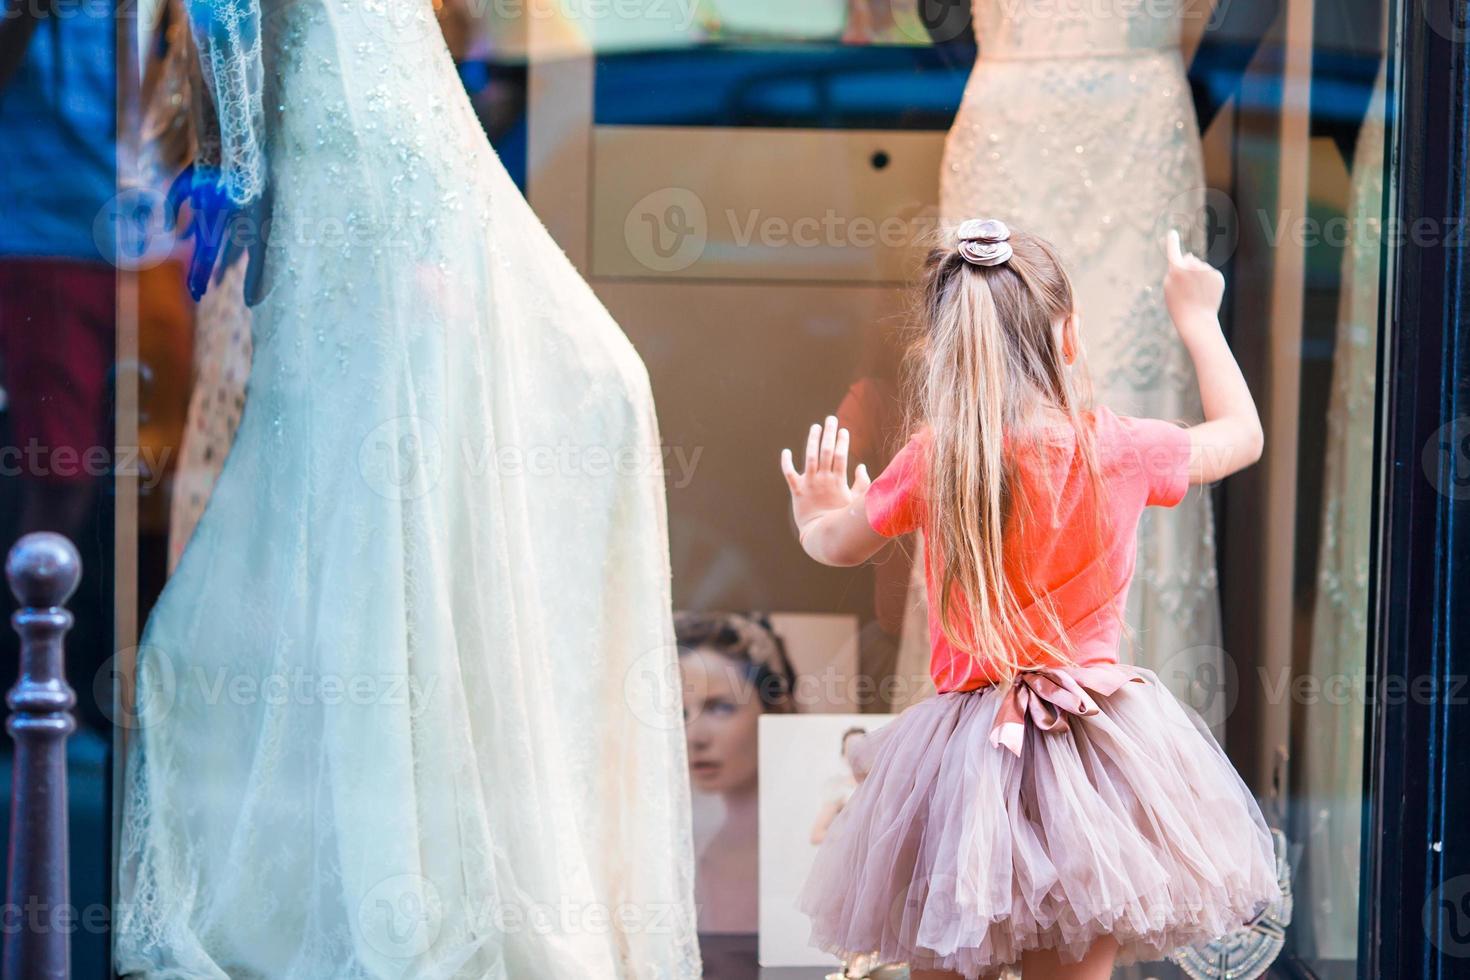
(1142, 463)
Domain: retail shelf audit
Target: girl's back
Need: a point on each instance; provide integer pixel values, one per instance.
(1078, 561)
(1050, 807)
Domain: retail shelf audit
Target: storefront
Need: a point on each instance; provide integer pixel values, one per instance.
(750, 188)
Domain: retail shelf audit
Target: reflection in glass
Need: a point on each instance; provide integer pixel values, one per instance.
(1334, 722)
(734, 670)
(58, 216)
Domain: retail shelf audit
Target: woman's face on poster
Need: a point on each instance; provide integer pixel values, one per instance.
(721, 714)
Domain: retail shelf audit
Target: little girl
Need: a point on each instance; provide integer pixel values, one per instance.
(1051, 808)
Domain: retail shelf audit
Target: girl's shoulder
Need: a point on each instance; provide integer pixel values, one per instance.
(1135, 432)
(1114, 437)
(1152, 455)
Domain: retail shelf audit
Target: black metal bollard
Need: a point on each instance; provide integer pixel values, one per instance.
(43, 570)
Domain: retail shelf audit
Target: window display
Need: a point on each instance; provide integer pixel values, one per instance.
(784, 132)
(461, 610)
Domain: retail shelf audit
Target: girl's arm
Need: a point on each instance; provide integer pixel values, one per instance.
(1230, 438)
(831, 518)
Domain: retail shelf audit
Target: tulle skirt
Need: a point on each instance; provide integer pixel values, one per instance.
(1068, 805)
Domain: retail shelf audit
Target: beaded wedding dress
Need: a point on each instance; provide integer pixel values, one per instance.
(408, 707)
(1077, 125)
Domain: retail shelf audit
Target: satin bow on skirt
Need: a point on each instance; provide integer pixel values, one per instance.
(1047, 695)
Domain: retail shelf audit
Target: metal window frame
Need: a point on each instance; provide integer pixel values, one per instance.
(1416, 841)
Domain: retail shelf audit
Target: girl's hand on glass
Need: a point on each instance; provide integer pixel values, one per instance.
(822, 485)
(1193, 289)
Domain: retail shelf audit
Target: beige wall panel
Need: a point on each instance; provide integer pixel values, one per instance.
(810, 205)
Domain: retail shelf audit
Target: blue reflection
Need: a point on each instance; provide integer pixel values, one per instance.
(817, 86)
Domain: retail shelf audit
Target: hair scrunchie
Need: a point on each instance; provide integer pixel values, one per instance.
(984, 242)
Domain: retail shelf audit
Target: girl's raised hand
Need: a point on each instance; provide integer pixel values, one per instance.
(1193, 288)
(822, 485)
(1230, 437)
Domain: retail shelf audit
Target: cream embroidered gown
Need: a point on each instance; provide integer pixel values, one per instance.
(408, 707)
(1080, 128)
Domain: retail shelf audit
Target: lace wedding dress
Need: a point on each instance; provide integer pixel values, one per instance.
(408, 707)
(1077, 125)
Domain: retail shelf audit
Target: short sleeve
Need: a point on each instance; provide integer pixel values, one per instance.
(895, 498)
(1157, 455)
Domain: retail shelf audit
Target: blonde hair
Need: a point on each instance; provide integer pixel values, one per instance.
(989, 364)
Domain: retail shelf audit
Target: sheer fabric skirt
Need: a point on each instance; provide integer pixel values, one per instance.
(409, 707)
(957, 853)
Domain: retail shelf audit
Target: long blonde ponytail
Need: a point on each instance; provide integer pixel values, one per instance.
(989, 367)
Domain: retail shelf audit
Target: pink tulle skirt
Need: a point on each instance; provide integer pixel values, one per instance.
(1071, 804)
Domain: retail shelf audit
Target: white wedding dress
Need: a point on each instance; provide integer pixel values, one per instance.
(1078, 126)
(408, 708)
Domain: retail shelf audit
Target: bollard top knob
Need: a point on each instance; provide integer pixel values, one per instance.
(43, 569)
